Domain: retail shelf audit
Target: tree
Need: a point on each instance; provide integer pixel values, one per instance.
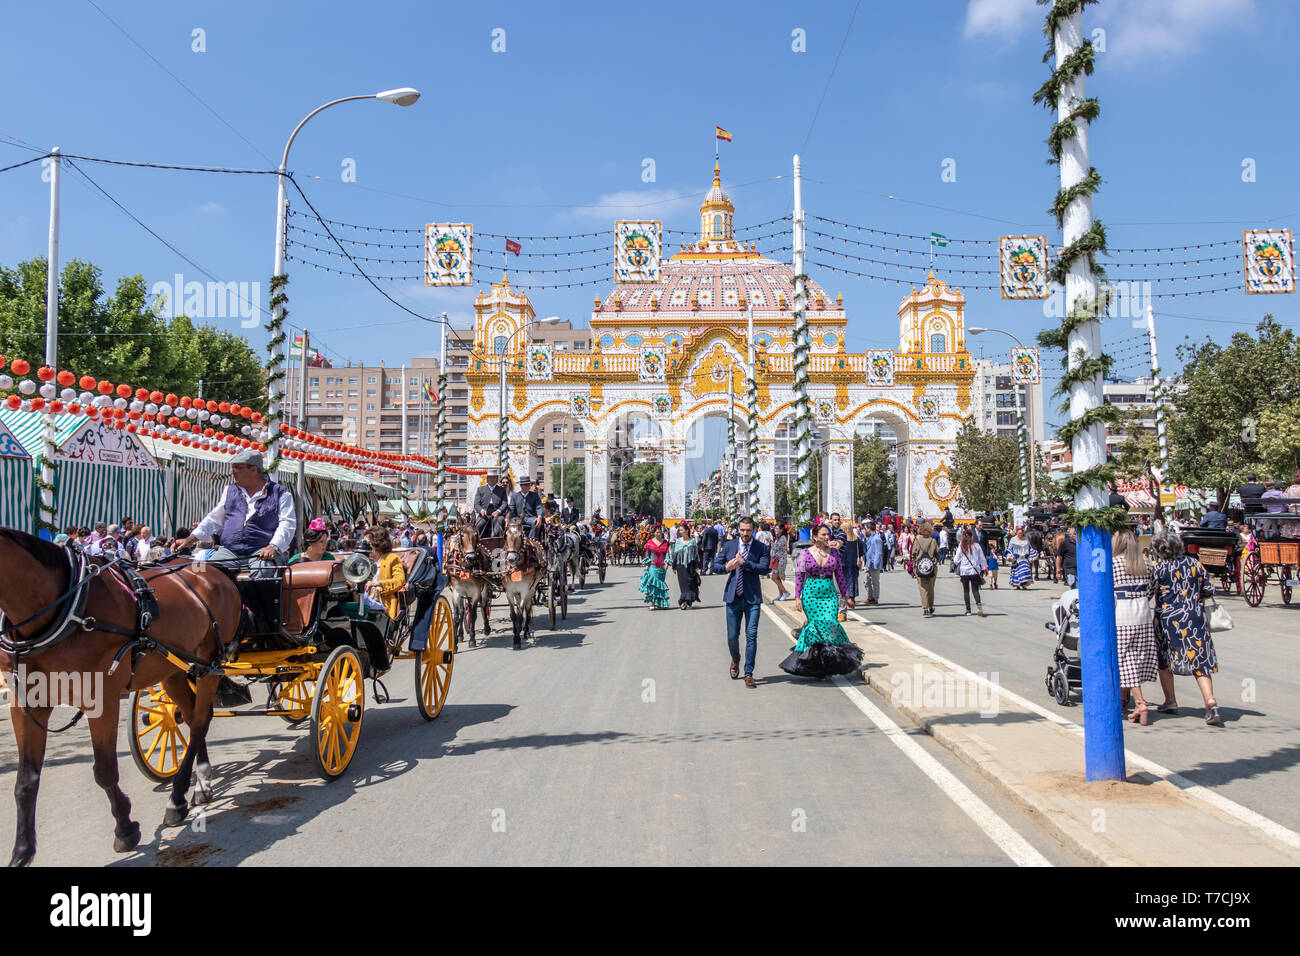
(1139, 450)
(874, 482)
(1221, 397)
(1279, 440)
(117, 337)
(784, 500)
(643, 488)
(574, 483)
(985, 469)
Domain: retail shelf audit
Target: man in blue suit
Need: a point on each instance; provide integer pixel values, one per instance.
(745, 561)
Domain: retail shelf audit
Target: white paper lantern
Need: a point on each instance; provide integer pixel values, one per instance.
(27, 387)
(49, 390)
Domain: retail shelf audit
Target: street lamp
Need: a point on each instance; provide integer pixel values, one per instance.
(404, 96)
(1024, 411)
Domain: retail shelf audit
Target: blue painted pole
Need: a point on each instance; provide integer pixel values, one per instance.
(1103, 725)
(805, 533)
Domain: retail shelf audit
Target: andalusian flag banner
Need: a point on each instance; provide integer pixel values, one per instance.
(428, 390)
(722, 134)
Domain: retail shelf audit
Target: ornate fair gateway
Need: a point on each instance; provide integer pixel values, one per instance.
(672, 349)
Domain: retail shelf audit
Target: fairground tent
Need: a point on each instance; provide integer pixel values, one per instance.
(105, 474)
(101, 473)
(17, 489)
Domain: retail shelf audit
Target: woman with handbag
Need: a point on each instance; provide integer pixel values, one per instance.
(1018, 551)
(925, 564)
(1185, 646)
(1135, 624)
(971, 564)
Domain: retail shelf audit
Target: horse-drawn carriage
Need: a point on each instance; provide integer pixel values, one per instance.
(312, 643)
(527, 571)
(1271, 558)
(1220, 554)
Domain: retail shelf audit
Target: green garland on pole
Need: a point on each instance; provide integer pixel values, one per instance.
(45, 515)
(1087, 246)
(275, 367)
(441, 510)
(751, 441)
(804, 498)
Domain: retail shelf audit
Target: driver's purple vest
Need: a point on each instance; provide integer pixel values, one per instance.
(245, 538)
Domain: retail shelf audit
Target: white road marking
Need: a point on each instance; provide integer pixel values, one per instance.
(1235, 810)
(995, 828)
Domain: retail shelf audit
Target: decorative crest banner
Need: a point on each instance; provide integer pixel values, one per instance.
(663, 405)
(1025, 369)
(579, 405)
(652, 364)
(825, 411)
(539, 365)
(638, 250)
(448, 253)
(1024, 266)
(880, 367)
(1270, 260)
(927, 407)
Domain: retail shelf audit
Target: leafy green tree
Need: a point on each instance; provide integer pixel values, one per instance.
(986, 469)
(1221, 397)
(573, 483)
(874, 482)
(1279, 440)
(784, 500)
(643, 488)
(117, 337)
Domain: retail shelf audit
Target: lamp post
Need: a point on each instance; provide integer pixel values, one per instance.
(404, 96)
(1027, 447)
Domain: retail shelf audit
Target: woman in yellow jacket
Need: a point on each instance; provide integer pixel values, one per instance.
(392, 576)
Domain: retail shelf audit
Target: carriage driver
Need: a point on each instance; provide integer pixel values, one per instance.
(255, 517)
(526, 505)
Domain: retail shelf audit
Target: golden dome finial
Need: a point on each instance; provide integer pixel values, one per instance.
(717, 174)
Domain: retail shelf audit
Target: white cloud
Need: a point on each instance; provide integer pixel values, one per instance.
(1005, 19)
(631, 204)
(209, 207)
(1170, 28)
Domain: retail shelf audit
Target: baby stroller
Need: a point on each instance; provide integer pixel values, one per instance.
(1065, 674)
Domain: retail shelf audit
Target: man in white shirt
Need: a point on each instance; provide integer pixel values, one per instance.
(256, 517)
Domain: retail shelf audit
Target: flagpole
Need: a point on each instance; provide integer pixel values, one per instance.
(302, 423)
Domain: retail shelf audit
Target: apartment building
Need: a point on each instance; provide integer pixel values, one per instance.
(559, 439)
(996, 401)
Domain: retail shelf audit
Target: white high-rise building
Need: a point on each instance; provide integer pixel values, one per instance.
(995, 401)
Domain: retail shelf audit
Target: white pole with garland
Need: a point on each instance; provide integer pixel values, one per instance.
(803, 504)
(1086, 365)
(48, 518)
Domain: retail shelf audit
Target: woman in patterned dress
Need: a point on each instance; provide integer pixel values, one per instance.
(1135, 624)
(823, 649)
(653, 584)
(1018, 550)
(780, 554)
(1184, 645)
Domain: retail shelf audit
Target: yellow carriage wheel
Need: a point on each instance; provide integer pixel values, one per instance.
(433, 665)
(159, 737)
(295, 696)
(336, 711)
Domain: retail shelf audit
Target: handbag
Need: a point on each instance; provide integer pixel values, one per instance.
(1217, 619)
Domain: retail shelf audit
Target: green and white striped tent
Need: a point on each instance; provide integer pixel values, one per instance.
(102, 473)
(17, 488)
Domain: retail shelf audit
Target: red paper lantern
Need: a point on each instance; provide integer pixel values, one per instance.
(74, 408)
(186, 402)
(131, 429)
(14, 401)
(119, 414)
(134, 416)
(124, 391)
(56, 406)
(171, 400)
(257, 417)
(224, 408)
(212, 406)
(45, 373)
(208, 433)
(105, 387)
(87, 382)
(38, 403)
(156, 397)
(2, 361)
(66, 379)
(20, 366)
(284, 429)
(142, 394)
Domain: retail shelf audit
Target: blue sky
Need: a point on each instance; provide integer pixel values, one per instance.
(549, 137)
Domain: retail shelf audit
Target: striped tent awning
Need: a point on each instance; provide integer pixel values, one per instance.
(17, 484)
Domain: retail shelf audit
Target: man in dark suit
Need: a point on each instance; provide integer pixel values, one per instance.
(490, 508)
(569, 515)
(745, 560)
(708, 546)
(526, 505)
(1250, 493)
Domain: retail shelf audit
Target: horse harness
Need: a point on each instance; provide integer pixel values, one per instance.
(71, 618)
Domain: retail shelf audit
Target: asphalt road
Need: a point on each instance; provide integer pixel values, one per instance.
(618, 739)
(1254, 759)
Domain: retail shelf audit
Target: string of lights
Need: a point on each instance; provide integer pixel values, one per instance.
(420, 261)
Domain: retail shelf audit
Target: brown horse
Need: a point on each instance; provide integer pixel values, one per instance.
(198, 611)
(469, 589)
(525, 562)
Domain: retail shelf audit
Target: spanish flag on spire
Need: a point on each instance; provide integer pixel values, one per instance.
(722, 134)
